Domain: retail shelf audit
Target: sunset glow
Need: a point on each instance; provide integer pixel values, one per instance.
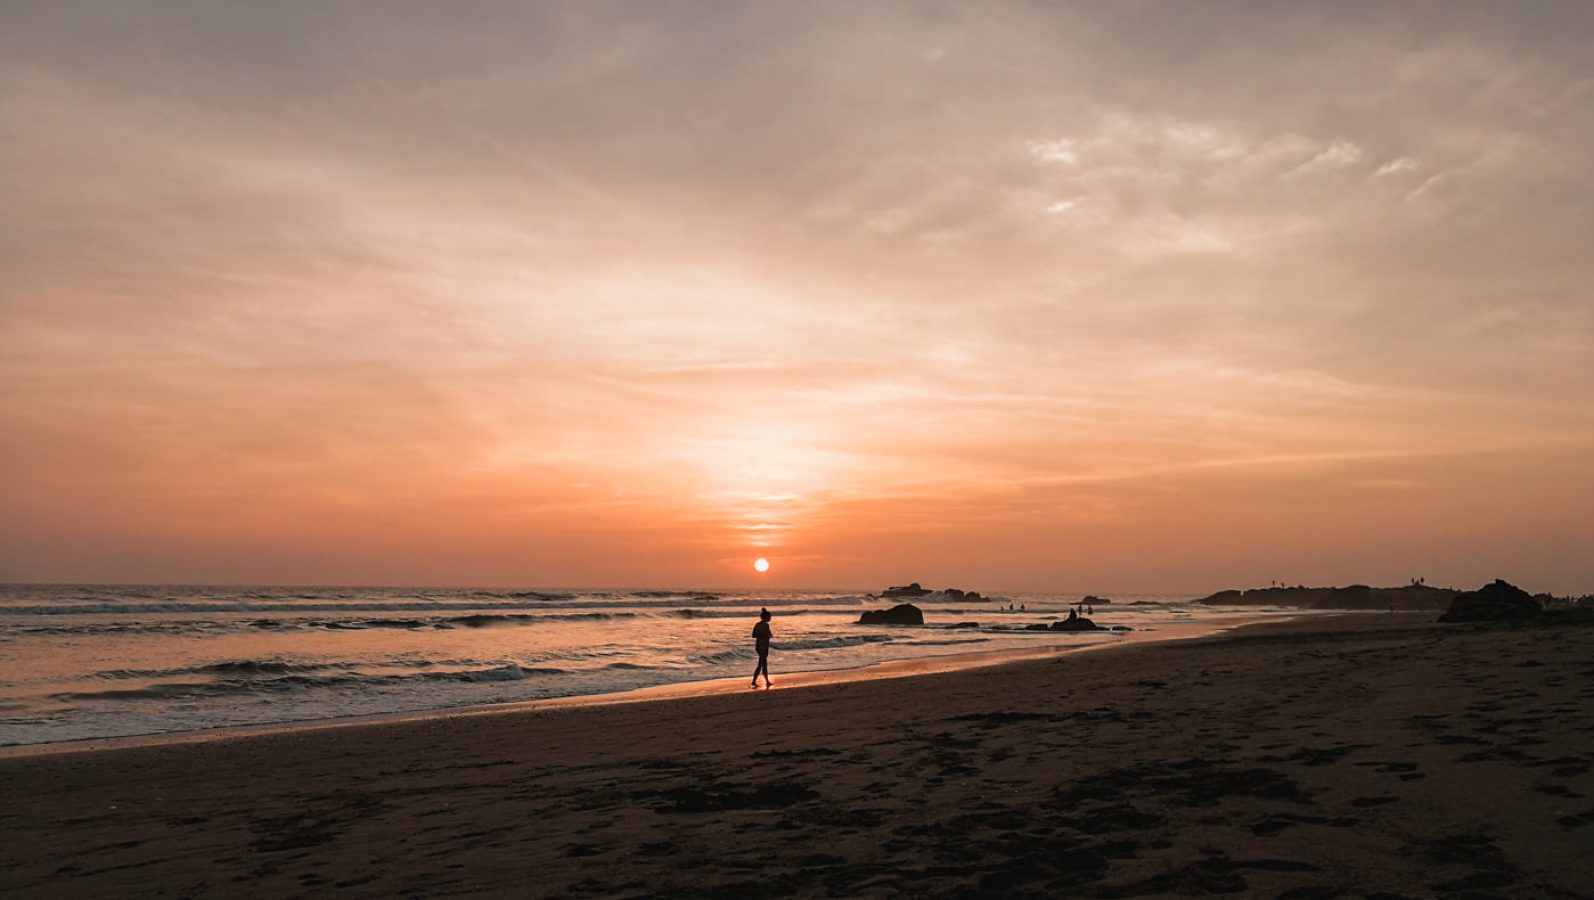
(761, 564)
(1002, 296)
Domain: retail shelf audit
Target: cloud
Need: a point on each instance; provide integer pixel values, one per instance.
(399, 269)
(1058, 152)
(1396, 167)
(1431, 185)
(1337, 155)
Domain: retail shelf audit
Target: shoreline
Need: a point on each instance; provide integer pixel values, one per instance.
(901, 668)
(1343, 756)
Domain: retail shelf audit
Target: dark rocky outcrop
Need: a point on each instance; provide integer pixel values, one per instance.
(909, 591)
(1356, 596)
(965, 625)
(1495, 602)
(901, 614)
(1075, 623)
(1093, 600)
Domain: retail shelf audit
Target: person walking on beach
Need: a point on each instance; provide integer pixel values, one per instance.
(761, 636)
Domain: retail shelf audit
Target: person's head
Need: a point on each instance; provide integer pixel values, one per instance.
(763, 615)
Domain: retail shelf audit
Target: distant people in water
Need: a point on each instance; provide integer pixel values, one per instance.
(761, 636)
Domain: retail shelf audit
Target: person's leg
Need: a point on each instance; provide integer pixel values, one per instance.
(763, 668)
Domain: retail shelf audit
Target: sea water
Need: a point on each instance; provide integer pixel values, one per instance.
(79, 661)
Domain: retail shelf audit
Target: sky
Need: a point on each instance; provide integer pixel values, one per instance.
(1131, 296)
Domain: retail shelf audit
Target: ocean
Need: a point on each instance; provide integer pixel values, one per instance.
(100, 661)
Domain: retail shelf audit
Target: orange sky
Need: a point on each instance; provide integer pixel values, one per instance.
(1141, 297)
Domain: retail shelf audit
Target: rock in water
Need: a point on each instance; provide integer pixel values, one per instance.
(901, 614)
(1079, 623)
(905, 590)
(1497, 602)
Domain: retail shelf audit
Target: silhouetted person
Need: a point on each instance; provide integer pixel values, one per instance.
(761, 636)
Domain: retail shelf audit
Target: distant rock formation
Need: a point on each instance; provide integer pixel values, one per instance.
(1356, 596)
(1093, 600)
(1495, 602)
(908, 591)
(1073, 623)
(901, 614)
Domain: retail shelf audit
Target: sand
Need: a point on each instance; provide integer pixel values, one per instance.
(1363, 756)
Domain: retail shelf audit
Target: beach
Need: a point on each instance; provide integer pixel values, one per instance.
(1368, 755)
(88, 662)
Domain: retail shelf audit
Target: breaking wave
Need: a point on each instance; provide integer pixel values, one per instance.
(296, 680)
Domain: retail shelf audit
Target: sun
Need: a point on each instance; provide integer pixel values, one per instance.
(761, 564)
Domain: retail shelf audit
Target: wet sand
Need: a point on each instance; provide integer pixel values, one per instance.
(1370, 755)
